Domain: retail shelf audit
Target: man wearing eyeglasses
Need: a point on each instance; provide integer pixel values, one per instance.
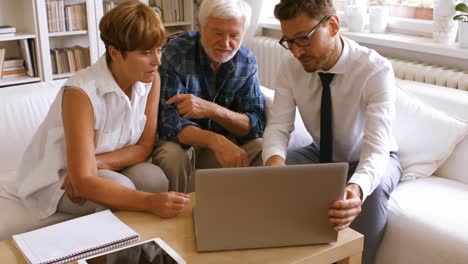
(345, 94)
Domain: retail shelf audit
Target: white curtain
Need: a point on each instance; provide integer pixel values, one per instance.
(256, 6)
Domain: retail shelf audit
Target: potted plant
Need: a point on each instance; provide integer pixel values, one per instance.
(462, 19)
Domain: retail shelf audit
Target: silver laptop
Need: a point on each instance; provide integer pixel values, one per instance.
(259, 207)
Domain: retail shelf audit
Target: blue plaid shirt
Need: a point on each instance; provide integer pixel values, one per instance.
(185, 69)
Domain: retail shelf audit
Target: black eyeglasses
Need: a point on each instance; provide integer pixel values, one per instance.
(303, 41)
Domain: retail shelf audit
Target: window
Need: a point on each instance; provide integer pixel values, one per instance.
(412, 17)
(411, 9)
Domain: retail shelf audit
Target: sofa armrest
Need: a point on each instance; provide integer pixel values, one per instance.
(300, 137)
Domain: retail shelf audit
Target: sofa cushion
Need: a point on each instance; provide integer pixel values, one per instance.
(426, 136)
(426, 223)
(15, 219)
(453, 102)
(300, 137)
(22, 110)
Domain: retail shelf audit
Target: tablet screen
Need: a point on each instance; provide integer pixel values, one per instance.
(146, 253)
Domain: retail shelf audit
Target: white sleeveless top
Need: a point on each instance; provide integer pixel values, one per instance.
(119, 122)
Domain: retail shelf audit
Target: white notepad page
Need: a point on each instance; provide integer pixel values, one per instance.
(74, 239)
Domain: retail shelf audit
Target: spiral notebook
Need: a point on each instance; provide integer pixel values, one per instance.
(75, 239)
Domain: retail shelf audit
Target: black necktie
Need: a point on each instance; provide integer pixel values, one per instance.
(326, 132)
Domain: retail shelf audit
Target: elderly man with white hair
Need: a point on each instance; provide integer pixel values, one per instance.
(212, 112)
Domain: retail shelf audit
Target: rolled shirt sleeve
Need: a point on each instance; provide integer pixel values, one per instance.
(170, 123)
(251, 102)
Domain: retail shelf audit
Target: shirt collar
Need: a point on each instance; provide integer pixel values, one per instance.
(108, 84)
(139, 88)
(340, 65)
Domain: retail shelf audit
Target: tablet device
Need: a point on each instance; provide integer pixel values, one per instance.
(153, 251)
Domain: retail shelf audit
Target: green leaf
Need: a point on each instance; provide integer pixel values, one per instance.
(462, 8)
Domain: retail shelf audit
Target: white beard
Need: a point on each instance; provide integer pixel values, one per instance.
(210, 53)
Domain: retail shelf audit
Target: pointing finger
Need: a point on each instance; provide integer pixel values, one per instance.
(175, 98)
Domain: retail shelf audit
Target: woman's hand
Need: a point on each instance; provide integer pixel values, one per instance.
(168, 204)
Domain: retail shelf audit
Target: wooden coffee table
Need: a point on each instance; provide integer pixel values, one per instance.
(179, 234)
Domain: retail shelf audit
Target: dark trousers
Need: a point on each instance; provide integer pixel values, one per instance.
(373, 217)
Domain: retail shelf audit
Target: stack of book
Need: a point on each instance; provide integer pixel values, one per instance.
(28, 53)
(66, 17)
(7, 31)
(2, 57)
(19, 66)
(13, 67)
(65, 60)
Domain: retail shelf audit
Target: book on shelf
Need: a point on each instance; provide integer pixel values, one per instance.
(53, 59)
(2, 58)
(6, 29)
(75, 239)
(26, 54)
(4, 35)
(65, 62)
(13, 62)
(166, 6)
(76, 17)
(66, 16)
(72, 63)
(60, 16)
(13, 71)
(109, 4)
(51, 7)
(172, 10)
(32, 48)
(70, 59)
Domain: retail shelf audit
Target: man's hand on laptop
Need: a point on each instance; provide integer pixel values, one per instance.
(167, 204)
(343, 212)
(275, 161)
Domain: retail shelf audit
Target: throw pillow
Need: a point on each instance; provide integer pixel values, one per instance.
(300, 137)
(425, 136)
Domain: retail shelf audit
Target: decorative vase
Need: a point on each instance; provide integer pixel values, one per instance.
(378, 18)
(355, 18)
(445, 28)
(463, 34)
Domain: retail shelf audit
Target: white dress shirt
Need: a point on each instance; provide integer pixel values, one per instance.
(119, 122)
(362, 94)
